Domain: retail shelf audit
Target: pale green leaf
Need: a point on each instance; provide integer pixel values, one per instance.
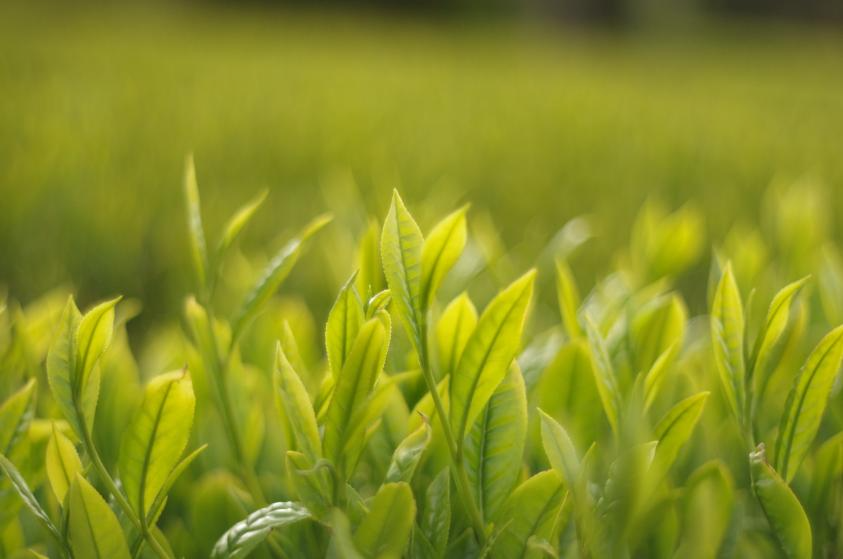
(673, 432)
(295, 401)
(788, 521)
(658, 325)
(806, 403)
(560, 450)
(15, 414)
(706, 510)
(61, 365)
(95, 532)
(407, 455)
(727, 338)
(353, 385)
(181, 467)
(275, 273)
(604, 374)
(239, 540)
(385, 531)
(92, 338)
(452, 331)
(655, 377)
(156, 438)
(62, 464)
(198, 250)
(490, 349)
(344, 321)
(494, 447)
(234, 226)
(441, 250)
(569, 298)
(401, 254)
(530, 512)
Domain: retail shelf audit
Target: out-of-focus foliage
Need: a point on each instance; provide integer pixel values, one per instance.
(450, 406)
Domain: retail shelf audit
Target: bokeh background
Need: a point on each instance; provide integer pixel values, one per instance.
(535, 111)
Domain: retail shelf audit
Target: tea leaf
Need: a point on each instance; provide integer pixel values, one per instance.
(455, 326)
(778, 317)
(707, 503)
(22, 489)
(494, 447)
(489, 353)
(385, 530)
(61, 366)
(94, 530)
(353, 385)
(247, 534)
(560, 450)
(401, 253)
(15, 415)
(234, 226)
(156, 438)
(656, 375)
(727, 337)
(783, 510)
(198, 251)
(436, 518)
(161, 499)
(530, 512)
(569, 298)
(604, 374)
(674, 430)
(295, 401)
(406, 457)
(275, 273)
(309, 482)
(62, 464)
(93, 336)
(806, 403)
(344, 322)
(440, 251)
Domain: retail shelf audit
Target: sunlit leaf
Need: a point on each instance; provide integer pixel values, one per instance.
(295, 401)
(344, 322)
(15, 415)
(62, 464)
(727, 338)
(604, 374)
(453, 329)
(440, 251)
(569, 298)
(385, 530)
(95, 532)
(198, 250)
(407, 455)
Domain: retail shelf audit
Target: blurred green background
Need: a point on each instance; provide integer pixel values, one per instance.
(533, 119)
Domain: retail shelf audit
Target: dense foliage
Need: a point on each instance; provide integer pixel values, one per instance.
(419, 424)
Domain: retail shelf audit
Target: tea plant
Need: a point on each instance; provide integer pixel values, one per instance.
(414, 425)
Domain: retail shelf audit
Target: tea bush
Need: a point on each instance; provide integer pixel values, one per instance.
(419, 424)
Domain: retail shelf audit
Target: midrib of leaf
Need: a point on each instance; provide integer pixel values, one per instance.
(437, 258)
(791, 431)
(88, 348)
(487, 352)
(148, 451)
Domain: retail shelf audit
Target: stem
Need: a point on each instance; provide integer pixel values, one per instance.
(461, 478)
(102, 472)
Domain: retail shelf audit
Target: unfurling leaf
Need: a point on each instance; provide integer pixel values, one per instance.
(406, 457)
(295, 401)
(247, 534)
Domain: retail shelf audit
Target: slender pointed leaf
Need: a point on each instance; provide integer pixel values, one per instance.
(198, 250)
(727, 337)
(604, 374)
(455, 326)
(560, 450)
(234, 226)
(22, 489)
(440, 251)
(435, 521)
(569, 298)
(15, 414)
(295, 401)
(344, 322)
(674, 430)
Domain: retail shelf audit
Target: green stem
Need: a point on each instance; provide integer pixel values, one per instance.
(461, 477)
(102, 472)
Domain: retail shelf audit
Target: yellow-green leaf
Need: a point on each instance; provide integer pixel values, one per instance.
(61, 365)
(94, 530)
(344, 321)
(806, 403)
(604, 374)
(401, 253)
(62, 464)
(385, 531)
(674, 430)
(156, 438)
(15, 415)
(488, 353)
(234, 226)
(455, 326)
(198, 250)
(727, 338)
(295, 401)
(440, 252)
(407, 455)
(560, 450)
(569, 298)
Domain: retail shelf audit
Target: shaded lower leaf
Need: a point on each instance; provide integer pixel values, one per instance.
(385, 530)
(95, 532)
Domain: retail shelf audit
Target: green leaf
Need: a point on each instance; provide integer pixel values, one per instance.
(441, 250)
(435, 521)
(353, 385)
(15, 414)
(657, 326)
(342, 541)
(604, 374)
(181, 467)
(494, 447)
(401, 253)
(156, 438)
(247, 534)
(62, 464)
(95, 532)
(778, 318)
(787, 518)
(309, 482)
(234, 226)
(806, 403)
(560, 450)
(198, 251)
(727, 338)
(455, 326)
(370, 275)
(706, 511)
(295, 401)
(674, 430)
(92, 337)
(61, 366)
(407, 455)
(275, 273)
(654, 378)
(488, 353)
(23, 491)
(385, 530)
(344, 322)
(530, 512)
(569, 298)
